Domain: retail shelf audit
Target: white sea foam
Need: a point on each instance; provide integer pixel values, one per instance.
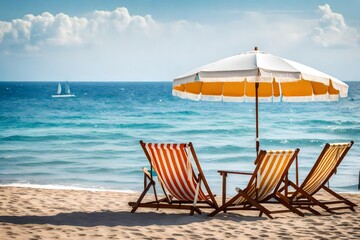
(62, 187)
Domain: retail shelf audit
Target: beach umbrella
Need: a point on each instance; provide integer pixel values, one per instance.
(258, 76)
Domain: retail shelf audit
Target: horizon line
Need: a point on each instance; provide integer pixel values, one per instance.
(97, 81)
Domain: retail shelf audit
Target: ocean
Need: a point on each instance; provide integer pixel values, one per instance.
(92, 141)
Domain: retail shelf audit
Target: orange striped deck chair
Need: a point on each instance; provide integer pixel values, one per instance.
(325, 166)
(271, 168)
(182, 187)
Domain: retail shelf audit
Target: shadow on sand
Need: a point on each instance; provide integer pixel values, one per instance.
(111, 219)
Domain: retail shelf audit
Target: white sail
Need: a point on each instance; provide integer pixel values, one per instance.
(67, 88)
(59, 89)
(66, 93)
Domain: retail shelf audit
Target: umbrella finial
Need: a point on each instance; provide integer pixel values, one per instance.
(256, 49)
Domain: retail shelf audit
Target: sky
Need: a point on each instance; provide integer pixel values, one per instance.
(158, 40)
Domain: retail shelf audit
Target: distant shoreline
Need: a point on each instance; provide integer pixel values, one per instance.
(63, 187)
(94, 189)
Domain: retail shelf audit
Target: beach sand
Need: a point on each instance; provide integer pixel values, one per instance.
(33, 213)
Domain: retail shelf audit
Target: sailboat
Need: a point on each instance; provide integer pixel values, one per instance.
(67, 92)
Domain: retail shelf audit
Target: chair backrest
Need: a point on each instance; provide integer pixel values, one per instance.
(172, 164)
(271, 168)
(325, 167)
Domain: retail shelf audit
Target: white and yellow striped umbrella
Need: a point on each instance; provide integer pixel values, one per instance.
(258, 76)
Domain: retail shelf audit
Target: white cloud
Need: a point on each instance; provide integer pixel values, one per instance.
(33, 32)
(119, 20)
(5, 28)
(115, 45)
(333, 31)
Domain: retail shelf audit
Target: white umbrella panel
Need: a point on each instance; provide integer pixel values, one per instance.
(258, 76)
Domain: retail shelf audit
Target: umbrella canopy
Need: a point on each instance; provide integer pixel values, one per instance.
(258, 76)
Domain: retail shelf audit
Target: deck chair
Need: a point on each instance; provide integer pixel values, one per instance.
(328, 161)
(183, 188)
(271, 168)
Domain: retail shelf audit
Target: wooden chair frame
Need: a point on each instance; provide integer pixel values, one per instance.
(169, 201)
(255, 204)
(307, 201)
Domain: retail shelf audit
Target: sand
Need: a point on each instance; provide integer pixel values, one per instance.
(34, 213)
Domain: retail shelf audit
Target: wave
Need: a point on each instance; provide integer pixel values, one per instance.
(56, 137)
(28, 174)
(324, 122)
(292, 142)
(177, 113)
(145, 125)
(213, 131)
(119, 171)
(64, 187)
(44, 163)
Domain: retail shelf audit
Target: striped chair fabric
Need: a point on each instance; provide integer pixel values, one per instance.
(269, 174)
(172, 163)
(324, 168)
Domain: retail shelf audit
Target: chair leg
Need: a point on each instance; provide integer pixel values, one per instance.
(314, 200)
(224, 206)
(346, 201)
(282, 199)
(310, 209)
(256, 204)
(141, 197)
(249, 199)
(311, 198)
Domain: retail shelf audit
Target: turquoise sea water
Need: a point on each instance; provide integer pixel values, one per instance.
(92, 141)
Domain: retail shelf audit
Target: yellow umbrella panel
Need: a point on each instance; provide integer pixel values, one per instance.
(244, 91)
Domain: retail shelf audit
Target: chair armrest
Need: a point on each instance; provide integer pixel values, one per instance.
(146, 172)
(222, 172)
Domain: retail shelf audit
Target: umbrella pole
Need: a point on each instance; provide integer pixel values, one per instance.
(257, 118)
